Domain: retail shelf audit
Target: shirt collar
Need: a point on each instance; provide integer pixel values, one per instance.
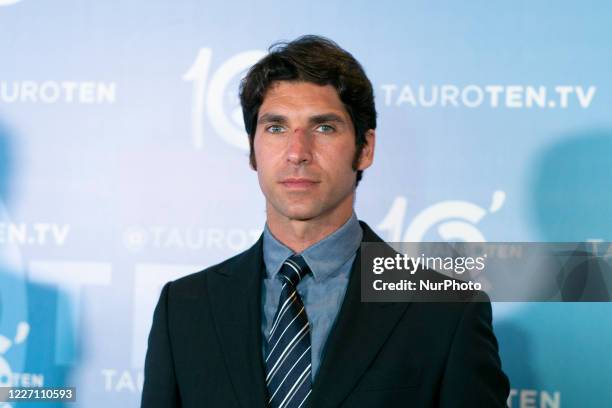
(324, 257)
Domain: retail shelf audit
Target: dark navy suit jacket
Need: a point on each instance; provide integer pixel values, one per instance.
(205, 347)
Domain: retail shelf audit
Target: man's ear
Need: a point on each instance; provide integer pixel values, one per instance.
(366, 158)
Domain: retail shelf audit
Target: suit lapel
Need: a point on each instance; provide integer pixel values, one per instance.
(359, 332)
(235, 293)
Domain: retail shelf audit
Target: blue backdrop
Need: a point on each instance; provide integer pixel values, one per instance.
(123, 164)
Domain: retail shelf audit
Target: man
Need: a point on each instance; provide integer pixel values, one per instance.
(282, 324)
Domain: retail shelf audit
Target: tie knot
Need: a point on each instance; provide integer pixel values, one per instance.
(294, 269)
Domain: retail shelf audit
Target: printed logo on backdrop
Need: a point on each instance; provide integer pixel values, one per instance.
(531, 398)
(33, 234)
(14, 325)
(54, 92)
(455, 220)
(215, 97)
(9, 378)
(561, 96)
(139, 238)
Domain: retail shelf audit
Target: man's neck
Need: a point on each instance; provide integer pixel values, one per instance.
(300, 234)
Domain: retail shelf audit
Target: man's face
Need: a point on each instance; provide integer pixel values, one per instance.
(304, 148)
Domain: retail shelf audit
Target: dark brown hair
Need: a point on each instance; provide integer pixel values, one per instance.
(315, 59)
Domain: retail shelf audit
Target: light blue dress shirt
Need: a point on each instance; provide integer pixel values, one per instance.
(322, 292)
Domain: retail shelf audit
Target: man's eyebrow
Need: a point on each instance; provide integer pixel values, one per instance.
(326, 117)
(316, 119)
(272, 118)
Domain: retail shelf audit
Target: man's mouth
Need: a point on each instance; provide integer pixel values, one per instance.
(298, 183)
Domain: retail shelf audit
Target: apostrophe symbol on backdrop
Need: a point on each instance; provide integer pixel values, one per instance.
(216, 99)
(6, 374)
(455, 220)
(8, 2)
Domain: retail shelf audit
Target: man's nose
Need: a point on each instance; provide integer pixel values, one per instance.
(299, 148)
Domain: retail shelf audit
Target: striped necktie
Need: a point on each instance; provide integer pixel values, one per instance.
(288, 364)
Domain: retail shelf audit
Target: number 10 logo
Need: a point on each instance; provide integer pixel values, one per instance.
(210, 97)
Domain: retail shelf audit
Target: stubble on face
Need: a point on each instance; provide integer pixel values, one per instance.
(304, 149)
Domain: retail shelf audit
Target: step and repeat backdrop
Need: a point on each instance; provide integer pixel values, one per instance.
(124, 164)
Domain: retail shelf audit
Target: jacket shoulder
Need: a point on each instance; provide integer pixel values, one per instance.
(192, 283)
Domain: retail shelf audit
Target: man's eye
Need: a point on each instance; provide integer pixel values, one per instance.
(325, 128)
(275, 129)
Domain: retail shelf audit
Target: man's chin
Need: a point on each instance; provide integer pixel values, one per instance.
(300, 213)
